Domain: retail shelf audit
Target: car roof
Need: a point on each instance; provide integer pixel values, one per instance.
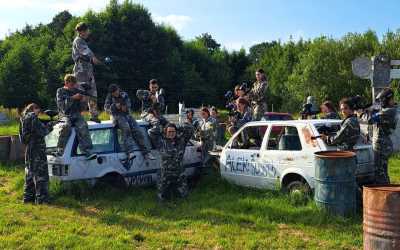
(277, 113)
(295, 122)
(109, 124)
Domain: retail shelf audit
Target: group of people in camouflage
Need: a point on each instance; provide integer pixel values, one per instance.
(383, 121)
(170, 139)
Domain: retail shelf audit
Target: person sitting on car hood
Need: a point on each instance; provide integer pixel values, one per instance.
(118, 105)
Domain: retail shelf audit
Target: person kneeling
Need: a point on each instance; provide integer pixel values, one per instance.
(172, 176)
(118, 105)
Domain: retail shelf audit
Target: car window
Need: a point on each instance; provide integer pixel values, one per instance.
(284, 138)
(249, 138)
(121, 144)
(102, 140)
(52, 137)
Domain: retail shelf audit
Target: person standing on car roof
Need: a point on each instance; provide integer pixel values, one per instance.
(329, 110)
(384, 122)
(172, 176)
(241, 116)
(151, 96)
(70, 104)
(118, 105)
(257, 95)
(84, 59)
(349, 133)
(32, 134)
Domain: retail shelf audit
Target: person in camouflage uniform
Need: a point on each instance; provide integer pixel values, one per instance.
(219, 128)
(118, 105)
(84, 59)
(257, 95)
(157, 122)
(241, 117)
(151, 96)
(172, 150)
(383, 123)
(32, 134)
(206, 134)
(70, 104)
(349, 133)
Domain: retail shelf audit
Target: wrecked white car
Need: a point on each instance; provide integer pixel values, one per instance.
(111, 163)
(271, 154)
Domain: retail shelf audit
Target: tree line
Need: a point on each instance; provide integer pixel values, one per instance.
(34, 60)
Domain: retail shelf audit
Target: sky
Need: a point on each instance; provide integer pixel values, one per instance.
(233, 23)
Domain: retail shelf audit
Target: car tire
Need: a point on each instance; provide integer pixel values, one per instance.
(298, 186)
(113, 180)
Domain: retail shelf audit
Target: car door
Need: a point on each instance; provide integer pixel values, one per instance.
(138, 171)
(103, 141)
(240, 160)
(286, 151)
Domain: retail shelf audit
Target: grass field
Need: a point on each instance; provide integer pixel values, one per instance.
(217, 215)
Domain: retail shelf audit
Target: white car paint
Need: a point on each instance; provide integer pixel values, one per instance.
(73, 166)
(270, 167)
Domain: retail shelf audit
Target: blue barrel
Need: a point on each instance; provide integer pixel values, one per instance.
(335, 182)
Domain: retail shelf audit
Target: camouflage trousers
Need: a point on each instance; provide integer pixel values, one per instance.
(171, 183)
(206, 146)
(130, 133)
(36, 186)
(258, 110)
(381, 168)
(84, 74)
(82, 132)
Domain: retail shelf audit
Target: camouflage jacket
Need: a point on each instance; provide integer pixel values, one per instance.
(382, 129)
(172, 151)
(145, 96)
(81, 53)
(258, 92)
(68, 107)
(111, 101)
(34, 129)
(207, 130)
(348, 134)
(242, 119)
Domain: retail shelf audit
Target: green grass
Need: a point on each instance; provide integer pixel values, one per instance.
(217, 215)
(9, 128)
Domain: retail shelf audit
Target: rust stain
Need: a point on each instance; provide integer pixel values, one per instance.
(381, 217)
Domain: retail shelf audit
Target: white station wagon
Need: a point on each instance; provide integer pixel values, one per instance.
(271, 154)
(111, 163)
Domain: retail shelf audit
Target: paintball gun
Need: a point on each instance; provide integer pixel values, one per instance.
(84, 89)
(51, 114)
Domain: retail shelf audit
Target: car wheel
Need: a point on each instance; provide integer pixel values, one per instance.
(298, 186)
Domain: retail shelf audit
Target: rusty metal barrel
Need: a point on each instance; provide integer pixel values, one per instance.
(381, 224)
(335, 182)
